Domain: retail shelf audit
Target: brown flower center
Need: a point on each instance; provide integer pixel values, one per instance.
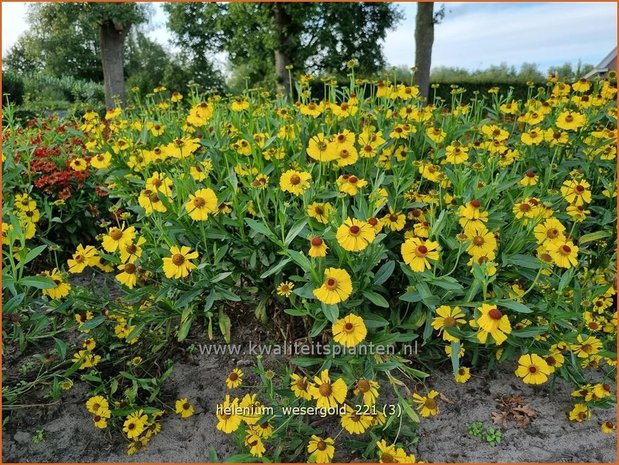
(422, 250)
(316, 241)
(353, 179)
(363, 385)
(475, 203)
(129, 268)
(430, 404)
(579, 188)
(325, 389)
(295, 179)
(199, 202)
(116, 234)
(449, 321)
(478, 241)
(495, 314)
(565, 250)
(178, 259)
(321, 445)
(331, 284)
(233, 376)
(532, 369)
(354, 230)
(349, 327)
(552, 233)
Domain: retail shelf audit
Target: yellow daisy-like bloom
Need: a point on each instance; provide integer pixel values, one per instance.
(320, 211)
(178, 265)
(580, 413)
(462, 375)
(448, 318)
(416, 253)
(355, 423)
(128, 275)
(135, 424)
(96, 403)
(368, 389)
(350, 184)
(494, 323)
(61, 288)
(391, 454)
(576, 192)
(300, 385)
(328, 394)
(336, 287)
(100, 420)
(228, 416)
(472, 210)
(533, 369)
(456, 154)
(571, 120)
(394, 220)
(320, 450)
(608, 427)
(530, 179)
(587, 347)
(101, 161)
(159, 182)
(564, 253)
(83, 257)
(532, 137)
(132, 251)
(149, 200)
(549, 232)
(483, 244)
(554, 360)
(349, 331)
(285, 289)
(255, 444)
(234, 378)
(355, 235)
(184, 408)
(318, 148)
(318, 247)
(295, 182)
(427, 405)
(117, 238)
(201, 204)
(78, 164)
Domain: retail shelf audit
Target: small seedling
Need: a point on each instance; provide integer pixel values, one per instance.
(38, 436)
(493, 436)
(476, 429)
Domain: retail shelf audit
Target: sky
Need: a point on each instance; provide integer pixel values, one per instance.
(471, 36)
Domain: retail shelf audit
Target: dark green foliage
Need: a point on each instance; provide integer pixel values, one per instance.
(12, 88)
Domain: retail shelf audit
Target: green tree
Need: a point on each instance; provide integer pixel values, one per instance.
(264, 38)
(84, 39)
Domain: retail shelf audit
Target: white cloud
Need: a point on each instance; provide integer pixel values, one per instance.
(13, 23)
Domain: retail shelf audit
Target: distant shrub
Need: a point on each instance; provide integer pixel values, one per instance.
(12, 88)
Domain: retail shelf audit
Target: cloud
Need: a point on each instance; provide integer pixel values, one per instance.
(475, 35)
(13, 23)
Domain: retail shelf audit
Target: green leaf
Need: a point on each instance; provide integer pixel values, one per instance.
(294, 231)
(384, 272)
(185, 326)
(594, 236)
(300, 259)
(515, 306)
(524, 261)
(455, 359)
(376, 299)
(34, 253)
(259, 227)
(225, 325)
(317, 328)
(40, 282)
(13, 303)
(93, 323)
(275, 269)
(331, 312)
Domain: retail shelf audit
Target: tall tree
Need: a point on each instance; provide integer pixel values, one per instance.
(424, 39)
(263, 38)
(97, 30)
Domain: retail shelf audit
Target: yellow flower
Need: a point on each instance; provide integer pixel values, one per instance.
(532, 137)
(78, 164)
(318, 247)
(285, 288)
(100, 421)
(228, 416)
(300, 386)
(349, 331)
(530, 179)
(135, 424)
(178, 265)
(350, 184)
(328, 394)
(320, 450)
(117, 238)
(354, 422)
(96, 403)
(369, 389)
(608, 427)
(570, 120)
(586, 347)
(564, 253)
(576, 192)
(234, 378)
(201, 204)
(184, 408)
(483, 244)
(448, 318)
(101, 161)
(355, 235)
(391, 454)
(549, 232)
(295, 182)
(128, 275)
(159, 182)
(336, 288)
(580, 413)
(83, 257)
(61, 288)
(533, 369)
(416, 253)
(394, 220)
(462, 375)
(426, 405)
(494, 323)
(255, 444)
(320, 211)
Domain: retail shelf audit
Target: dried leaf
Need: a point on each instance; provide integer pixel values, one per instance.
(500, 418)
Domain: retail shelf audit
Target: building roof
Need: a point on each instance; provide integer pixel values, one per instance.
(604, 65)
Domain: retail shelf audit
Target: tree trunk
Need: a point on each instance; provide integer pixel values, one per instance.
(283, 22)
(112, 40)
(424, 38)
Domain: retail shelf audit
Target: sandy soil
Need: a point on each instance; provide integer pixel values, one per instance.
(69, 435)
